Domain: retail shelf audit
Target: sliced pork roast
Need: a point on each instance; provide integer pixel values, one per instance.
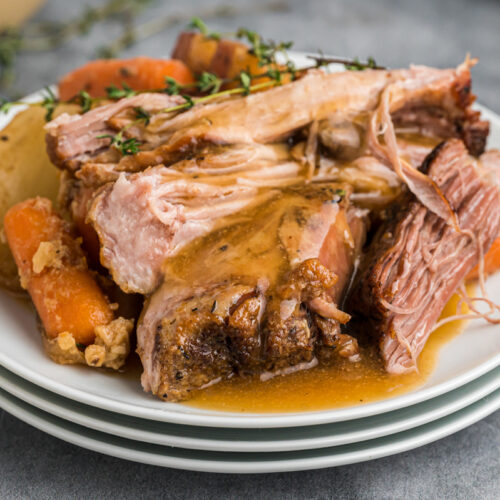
(416, 261)
(259, 296)
(434, 102)
(144, 218)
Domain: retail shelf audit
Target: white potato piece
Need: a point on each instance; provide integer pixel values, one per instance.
(25, 171)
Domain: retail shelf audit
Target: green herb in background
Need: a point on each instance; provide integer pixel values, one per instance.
(45, 36)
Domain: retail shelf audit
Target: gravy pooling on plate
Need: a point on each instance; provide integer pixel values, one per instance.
(328, 387)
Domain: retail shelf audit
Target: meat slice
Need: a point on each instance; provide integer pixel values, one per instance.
(437, 101)
(258, 297)
(143, 219)
(74, 139)
(417, 261)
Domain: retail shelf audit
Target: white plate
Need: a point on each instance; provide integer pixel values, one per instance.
(251, 440)
(227, 462)
(468, 356)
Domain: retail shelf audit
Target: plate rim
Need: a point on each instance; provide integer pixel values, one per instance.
(211, 418)
(321, 458)
(61, 407)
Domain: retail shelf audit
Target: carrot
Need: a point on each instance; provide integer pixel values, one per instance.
(491, 261)
(54, 271)
(140, 73)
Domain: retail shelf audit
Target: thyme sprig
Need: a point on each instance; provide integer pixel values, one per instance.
(44, 35)
(114, 92)
(49, 102)
(128, 146)
(206, 83)
(349, 64)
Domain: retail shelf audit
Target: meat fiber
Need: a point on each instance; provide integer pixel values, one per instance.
(425, 96)
(417, 261)
(258, 297)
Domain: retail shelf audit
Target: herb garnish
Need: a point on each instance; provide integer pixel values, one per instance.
(198, 24)
(349, 64)
(142, 115)
(49, 102)
(206, 83)
(84, 100)
(113, 92)
(125, 146)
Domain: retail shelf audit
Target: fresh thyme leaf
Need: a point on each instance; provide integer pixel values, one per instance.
(113, 92)
(246, 82)
(198, 24)
(290, 66)
(49, 102)
(208, 82)
(349, 64)
(130, 146)
(354, 65)
(357, 65)
(173, 87)
(80, 346)
(5, 106)
(189, 101)
(125, 146)
(142, 115)
(275, 74)
(10, 45)
(264, 51)
(84, 100)
(371, 63)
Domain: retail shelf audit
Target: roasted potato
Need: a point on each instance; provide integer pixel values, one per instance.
(25, 172)
(225, 58)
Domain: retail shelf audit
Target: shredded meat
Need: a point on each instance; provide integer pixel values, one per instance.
(417, 261)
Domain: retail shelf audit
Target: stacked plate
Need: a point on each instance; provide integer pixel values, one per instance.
(110, 413)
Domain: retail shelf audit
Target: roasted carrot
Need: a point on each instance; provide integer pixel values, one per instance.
(140, 73)
(54, 271)
(491, 261)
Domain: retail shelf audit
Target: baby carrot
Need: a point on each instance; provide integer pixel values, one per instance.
(53, 269)
(140, 73)
(491, 261)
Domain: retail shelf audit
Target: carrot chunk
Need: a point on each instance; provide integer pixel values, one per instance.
(140, 73)
(54, 271)
(491, 261)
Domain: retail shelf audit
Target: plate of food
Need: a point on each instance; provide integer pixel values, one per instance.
(284, 239)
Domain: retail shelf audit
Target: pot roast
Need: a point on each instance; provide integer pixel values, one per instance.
(244, 221)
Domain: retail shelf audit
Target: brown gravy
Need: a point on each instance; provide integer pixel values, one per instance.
(325, 387)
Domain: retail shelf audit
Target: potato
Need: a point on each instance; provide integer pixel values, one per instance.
(25, 171)
(225, 58)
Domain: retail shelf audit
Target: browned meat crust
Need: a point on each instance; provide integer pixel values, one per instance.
(266, 302)
(416, 261)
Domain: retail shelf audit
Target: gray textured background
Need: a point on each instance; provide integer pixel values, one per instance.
(465, 465)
